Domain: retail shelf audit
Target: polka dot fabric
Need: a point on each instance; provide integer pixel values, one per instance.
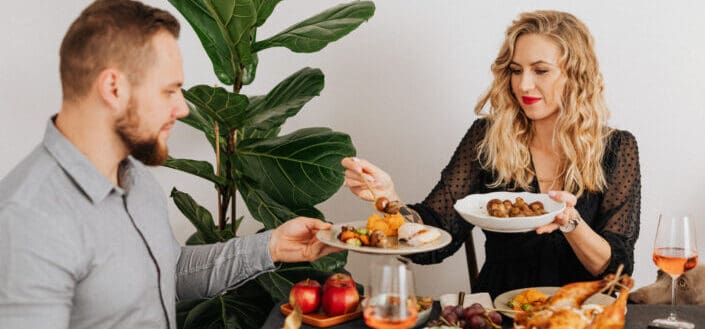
(527, 259)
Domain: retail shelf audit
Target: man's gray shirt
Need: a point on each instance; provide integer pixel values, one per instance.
(78, 252)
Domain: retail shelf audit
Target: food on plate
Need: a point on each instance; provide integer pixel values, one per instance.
(565, 308)
(340, 295)
(411, 234)
(306, 293)
(383, 204)
(363, 237)
(527, 300)
(417, 234)
(389, 224)
(505, 208)
(424, 303)
(472, 317)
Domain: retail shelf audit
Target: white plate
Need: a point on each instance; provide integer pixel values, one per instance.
(501, 301)
(330, 237)
(482, 298)
(473, 208)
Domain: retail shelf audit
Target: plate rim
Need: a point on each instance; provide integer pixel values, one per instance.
(480, 221)
(325, 236)
(539, 288)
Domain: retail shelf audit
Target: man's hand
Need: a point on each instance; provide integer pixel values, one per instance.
(295, 241)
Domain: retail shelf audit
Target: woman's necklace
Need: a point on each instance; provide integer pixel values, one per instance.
(553, 180)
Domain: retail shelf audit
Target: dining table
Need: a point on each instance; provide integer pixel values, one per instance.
(638, 317)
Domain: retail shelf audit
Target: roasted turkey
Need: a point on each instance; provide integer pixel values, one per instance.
(565, 309)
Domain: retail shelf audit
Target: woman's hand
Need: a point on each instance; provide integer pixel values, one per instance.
(356, 169)
(592, 250)
(565, 216)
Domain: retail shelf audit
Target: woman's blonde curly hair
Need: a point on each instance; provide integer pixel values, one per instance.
(581, 128)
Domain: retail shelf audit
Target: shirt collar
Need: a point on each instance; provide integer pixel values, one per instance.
(76, 165)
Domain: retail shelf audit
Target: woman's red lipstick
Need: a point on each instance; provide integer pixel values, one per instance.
(528, 100)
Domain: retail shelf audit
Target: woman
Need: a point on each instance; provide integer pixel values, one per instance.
(545, 131)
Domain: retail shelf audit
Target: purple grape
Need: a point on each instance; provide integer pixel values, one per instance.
(478, 308)
(478, 322)
(459, 310)
(495, 317)
(463, 324)
(451, 317)
(447, 310)
(469, 312)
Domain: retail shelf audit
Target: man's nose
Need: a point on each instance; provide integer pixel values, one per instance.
(182, 108)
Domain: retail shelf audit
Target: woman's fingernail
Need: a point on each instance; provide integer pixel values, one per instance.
(356, 159)
(358, 169)
(369, 178)
(551, 193)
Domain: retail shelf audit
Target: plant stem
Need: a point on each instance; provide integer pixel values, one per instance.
(232, 147)
(221, 219)
(233, 188)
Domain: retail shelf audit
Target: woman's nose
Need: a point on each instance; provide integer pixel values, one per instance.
(527, 82)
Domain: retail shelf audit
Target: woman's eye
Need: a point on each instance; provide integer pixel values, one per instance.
(515, 71)
(541, 72)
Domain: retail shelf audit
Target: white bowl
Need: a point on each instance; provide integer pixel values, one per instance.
(473, 208)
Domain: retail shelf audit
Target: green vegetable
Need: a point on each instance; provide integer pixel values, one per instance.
(361, 231)
(526, 307)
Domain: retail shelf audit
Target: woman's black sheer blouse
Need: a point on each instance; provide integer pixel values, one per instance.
(519, 260)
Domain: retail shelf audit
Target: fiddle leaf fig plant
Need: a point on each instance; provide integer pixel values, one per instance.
(279, 177)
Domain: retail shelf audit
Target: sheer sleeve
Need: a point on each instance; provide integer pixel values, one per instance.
(621, 204)
(461, 176)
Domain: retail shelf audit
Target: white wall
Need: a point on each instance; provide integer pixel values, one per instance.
(404, 85)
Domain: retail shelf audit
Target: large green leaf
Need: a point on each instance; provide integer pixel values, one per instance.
(309, 212)
(279, 283)
(264, 9)
(195, 239)
(198, 119)
(284, 100)
(199, 216)
(216, 103)
(249, 133)
(300, 169)
(250, 70)
(331, 263)
(202, 169)
(244, 307)
(315, 33)
(223, 28)
(183, 308)
(262, 207)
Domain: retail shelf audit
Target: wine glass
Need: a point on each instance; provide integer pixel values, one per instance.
(391, 301)
(675, 252)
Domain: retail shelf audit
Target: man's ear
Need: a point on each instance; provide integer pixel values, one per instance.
(114, 89)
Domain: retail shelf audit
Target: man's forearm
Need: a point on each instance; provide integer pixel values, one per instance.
(205, 270)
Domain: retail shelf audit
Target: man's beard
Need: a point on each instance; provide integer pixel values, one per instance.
(146, 149)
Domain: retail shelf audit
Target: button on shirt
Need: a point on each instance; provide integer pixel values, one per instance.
(78, 252)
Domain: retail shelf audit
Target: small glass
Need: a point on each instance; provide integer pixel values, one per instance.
(675, 252)
(391, 301)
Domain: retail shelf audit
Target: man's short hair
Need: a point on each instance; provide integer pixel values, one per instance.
(110, 33)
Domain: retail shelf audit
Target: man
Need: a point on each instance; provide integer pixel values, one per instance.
(84, 236)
